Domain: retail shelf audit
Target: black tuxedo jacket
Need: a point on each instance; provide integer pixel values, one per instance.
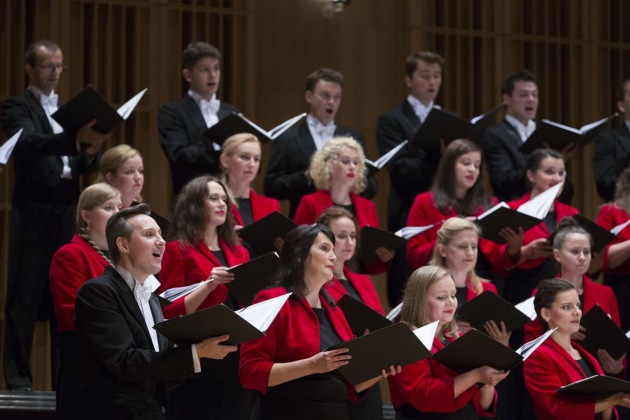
(411, 171)
(611, 156)
(124, 375)
(290, 158)
(37, 155)
(181, 125)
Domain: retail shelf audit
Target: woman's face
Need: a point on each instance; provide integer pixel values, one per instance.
(97, 218)
(216, 204)
(319, 265)
(243, 164)
(550, 172)
(441, 301)
(345, 238)
(128, 179)
(575, 255)
(565, 312)
(461, 251)
(345, 168)
(467, 170)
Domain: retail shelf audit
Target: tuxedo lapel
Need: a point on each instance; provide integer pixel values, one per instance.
(306, 144)
(514, 137)
(411, 120)
(38, 110)
(622, 135)
(193, 111)
(158, 317)
(223, 111)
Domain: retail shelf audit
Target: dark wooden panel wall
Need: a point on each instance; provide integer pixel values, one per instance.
(579, 49)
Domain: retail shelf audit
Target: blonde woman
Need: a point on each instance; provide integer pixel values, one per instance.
(122, 167)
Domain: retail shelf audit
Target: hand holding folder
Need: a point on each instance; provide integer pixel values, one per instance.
(261, 235)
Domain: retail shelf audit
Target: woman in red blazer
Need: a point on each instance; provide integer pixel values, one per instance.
(427, 387)
(289, 365)
(572, 250)
(346, 230)
(560, 361)
(616, 256)
(205, 249)
(339, 173)
(72, 265)
(456, 250)
(457, 191)
(240, 160)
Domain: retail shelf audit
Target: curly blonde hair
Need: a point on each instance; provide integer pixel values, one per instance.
(323, 160)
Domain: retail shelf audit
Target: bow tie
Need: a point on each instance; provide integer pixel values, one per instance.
(325, 132)
(211, 106)
(143, 291)
(49, 101)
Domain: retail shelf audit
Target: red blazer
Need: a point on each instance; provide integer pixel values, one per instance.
(429, 387)
(540, 230)
(72, 265)
(183, 265)
(293, 335)
(609, 216)
(365, 289)
(593, 294)
(420, 248)
(549, 368)
(261, 206)
(485, 285)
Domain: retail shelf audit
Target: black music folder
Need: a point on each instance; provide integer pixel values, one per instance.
(501, 216)
(558, 136)
(393, 345)
(372, 238)
(450, 126)
(253, 276)
(360, 316)
(236, 123)
(595, 387)
(601, 237)
(89, 104)
(602, 333)
(475, 349)
(490, 306)
(378, 164)
(261, 234)
(242, 325)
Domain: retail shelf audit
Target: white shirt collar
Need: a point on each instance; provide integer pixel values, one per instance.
(524, 131)
(131, 281)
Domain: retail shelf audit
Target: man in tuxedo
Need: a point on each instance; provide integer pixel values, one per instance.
(501, 144)
(411, 171)
(49, 163)
(181, 123)
(287, 173)
(612, 148)
(125, 360)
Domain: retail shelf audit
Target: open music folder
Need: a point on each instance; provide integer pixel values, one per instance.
(8, 146)
(602, 333)
(237, 123)
(601, 237)
(559, 136)
(253, 276)
(242, 325)
(378, 164)
(373, 238)
(261, 235)
(89, 104)
(490, 306)
(361, 317)
(595, 387)
(475, 349)
(501, 216)
(394, 345)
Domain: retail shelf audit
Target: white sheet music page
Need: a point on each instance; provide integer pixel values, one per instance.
(262, 314)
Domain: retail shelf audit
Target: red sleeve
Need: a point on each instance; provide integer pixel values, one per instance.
(172, 275)
(420, 247)
(305, 213)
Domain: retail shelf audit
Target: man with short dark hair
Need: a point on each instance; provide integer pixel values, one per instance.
(49, 163)
(125, 360)
(411, 171)
(612, 148)
(287, 175)
(181, 123)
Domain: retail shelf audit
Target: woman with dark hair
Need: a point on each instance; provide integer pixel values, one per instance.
(240, 161)
(205, 249)
(560, 361)
(290, 365)
(616, 256)
(72, 265)
(572, 250)
(427, 389)
(339, 173)
(457, 191)
(346, 230)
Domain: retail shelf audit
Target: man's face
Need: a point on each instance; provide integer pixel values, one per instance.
(47, 70)
(424, 84)
(144, 249)
(522, 104)
(204, 77)
(324, 100)
(624, 106)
